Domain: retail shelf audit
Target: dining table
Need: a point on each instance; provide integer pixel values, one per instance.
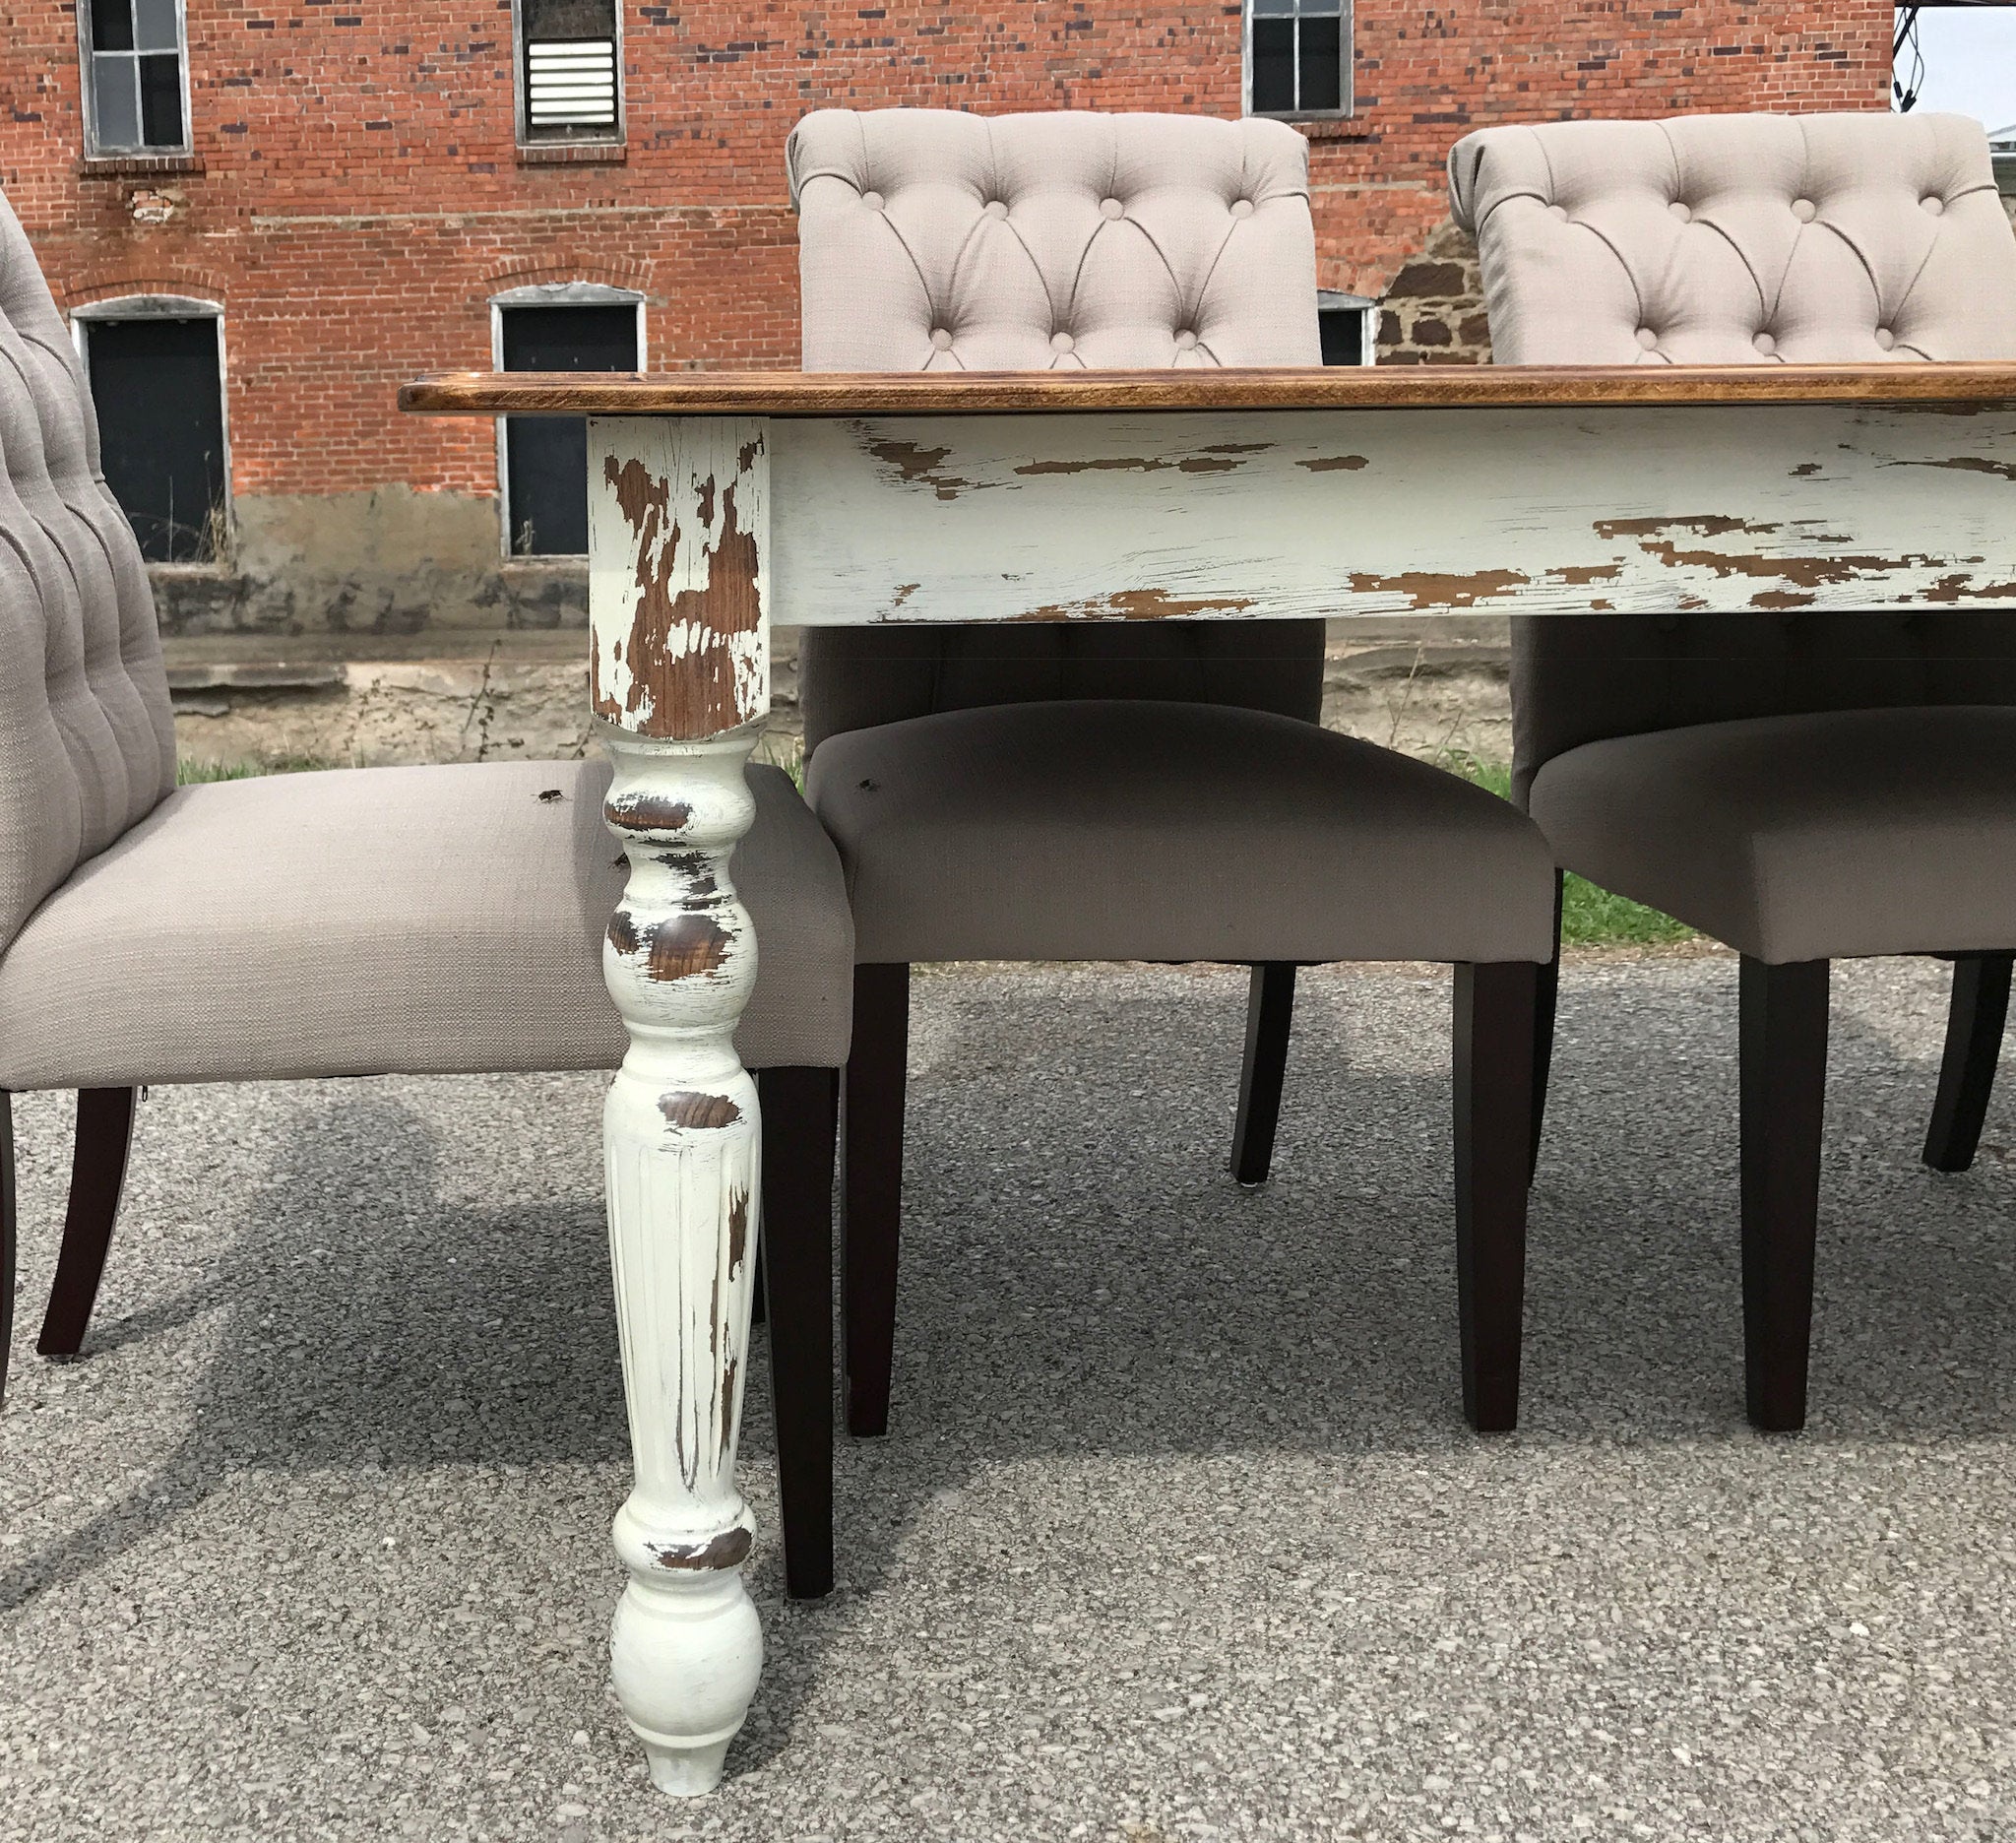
(723, 504)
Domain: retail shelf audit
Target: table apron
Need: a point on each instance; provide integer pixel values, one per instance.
(1286, 514)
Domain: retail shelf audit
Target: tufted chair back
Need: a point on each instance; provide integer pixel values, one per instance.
(935, 240)
(1740, 239)
(86, 741)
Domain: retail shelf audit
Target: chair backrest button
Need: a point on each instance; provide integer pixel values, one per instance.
(941, 339)
(872, 200)
(1804, 210)
(1111, 208)
(1061, 342)
(1647, 338)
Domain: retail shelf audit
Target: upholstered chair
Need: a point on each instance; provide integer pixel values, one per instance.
(428, 920)
(1138, 792)
(1804, 786)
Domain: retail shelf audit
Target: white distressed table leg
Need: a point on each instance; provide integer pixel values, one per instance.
(678, 524)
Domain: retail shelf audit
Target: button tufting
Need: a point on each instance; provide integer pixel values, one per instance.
(1647, 338)
(1885, 338)
(1185, 340)
(1242, 207)
(941, 339)
(1679, 211)
(1804, 210)
(872, 200)
(1558, 211)
(1765, 344)
(1062, 341)
(996, 207)
(1934, 204)
(1111, 208)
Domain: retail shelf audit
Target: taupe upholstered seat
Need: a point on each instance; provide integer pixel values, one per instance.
(1097, 830)
(1817, 836)
(385, 921)
(1149, 789)
(440, 919)
(1804, 786)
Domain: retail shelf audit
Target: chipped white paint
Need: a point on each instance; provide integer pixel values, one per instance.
(1289, 513)
(678, 513)
(681, 1140)
(1246, 515)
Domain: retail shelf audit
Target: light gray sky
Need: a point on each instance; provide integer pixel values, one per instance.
(1970, 55)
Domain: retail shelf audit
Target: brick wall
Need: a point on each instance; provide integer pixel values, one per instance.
(357, 196)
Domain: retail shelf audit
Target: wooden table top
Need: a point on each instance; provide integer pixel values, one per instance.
(829, 394)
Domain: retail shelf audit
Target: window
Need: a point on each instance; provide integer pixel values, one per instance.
(542, 461)
(133, 55)
(1298, 57)
(156, 366)
(569, 59)
(1349, 327)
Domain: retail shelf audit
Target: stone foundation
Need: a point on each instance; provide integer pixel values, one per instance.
(1430, 687)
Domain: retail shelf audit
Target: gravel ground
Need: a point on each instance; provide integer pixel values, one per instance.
(1178, 1533)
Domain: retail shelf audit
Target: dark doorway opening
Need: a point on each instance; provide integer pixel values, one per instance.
(545, 458)
(158, 393)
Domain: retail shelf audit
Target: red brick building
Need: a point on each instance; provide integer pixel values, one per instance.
(312, 201)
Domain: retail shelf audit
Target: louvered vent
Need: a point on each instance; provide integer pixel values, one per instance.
(571, 83)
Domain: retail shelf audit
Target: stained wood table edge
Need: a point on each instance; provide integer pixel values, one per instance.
(836, 394)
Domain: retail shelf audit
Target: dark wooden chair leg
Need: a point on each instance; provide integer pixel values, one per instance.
(98, 1174)
(1492, 1065)
(872, 1188)
(800, 1108)
(1784, 1088)
(1270, 1013)
(7, 1235)
(759, 1306)
(1546, 996)
(1967, 1072)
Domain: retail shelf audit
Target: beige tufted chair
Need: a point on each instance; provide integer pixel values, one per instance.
(432, 920)
(1804, 785)
(1041, 793)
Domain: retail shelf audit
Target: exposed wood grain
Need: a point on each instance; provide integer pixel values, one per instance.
(1399, 387)
(1364, 512)
(678, 527)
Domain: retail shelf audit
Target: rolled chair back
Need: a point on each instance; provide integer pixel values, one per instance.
(933, 240)
(1740, 239)
(86, 737)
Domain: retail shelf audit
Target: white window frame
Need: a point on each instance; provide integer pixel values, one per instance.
(1345, 48)
(171, 307)
(546, 294)
(95, 148)
(521, 102)
(1331, 300)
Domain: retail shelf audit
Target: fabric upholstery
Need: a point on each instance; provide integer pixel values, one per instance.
(1108, 830)
(390, 919)
(1817, 836)
(1579, 678)
(1740, 239)
(935, 240)
(86, 741)
(931, 239)
(853, 676)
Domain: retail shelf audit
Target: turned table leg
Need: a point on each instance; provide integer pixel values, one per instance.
(678, 524)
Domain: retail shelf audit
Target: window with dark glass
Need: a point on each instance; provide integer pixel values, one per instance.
(158, 387)
(567, 71)
(133, 53)
(1298, 57)
(545, 458)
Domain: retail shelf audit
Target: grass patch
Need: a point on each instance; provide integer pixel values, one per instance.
(195, 773)
(1590, 917)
